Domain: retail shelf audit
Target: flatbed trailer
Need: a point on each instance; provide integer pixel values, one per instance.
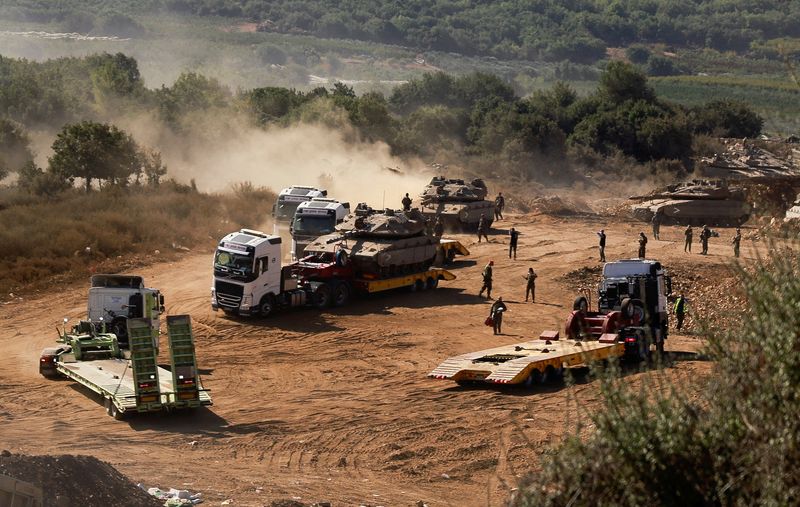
(527, 362)
(415, 281)
(135, 383)
(451, 248)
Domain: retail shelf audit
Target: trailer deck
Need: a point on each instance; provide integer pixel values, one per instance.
(524, 362)
(416, 281)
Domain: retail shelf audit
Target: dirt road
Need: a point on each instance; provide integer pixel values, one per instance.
(336, 406)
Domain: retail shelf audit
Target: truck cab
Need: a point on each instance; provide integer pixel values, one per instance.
(289, 199)
(113, 299)
(247, 272)
(645, 280)
(313, 219)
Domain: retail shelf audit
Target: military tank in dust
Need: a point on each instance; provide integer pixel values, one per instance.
(458, 203)
(381, 243)
(698, 202)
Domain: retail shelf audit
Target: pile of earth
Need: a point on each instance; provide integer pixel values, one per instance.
(75, 481)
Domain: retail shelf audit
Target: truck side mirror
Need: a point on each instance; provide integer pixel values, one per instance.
(161, 299)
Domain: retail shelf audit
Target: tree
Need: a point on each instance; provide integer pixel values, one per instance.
(622, 81)
(726, 118)
(14, 148)
(90, 151)
(271, 54)
(152, 167)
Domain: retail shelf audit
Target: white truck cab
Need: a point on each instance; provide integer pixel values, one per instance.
(115, 298)
(313, 219)
(290, 198)
(247, 272)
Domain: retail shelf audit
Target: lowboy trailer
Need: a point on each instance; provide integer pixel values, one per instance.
(133, 381)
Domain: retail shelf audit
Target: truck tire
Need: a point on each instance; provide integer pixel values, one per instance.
(341, 294)
(267, 305)
(632, 309)
(581, 304)
(535, 378)
(451, 256)
(115, 412)
(432, 282)
(322, 296)
(119, 326)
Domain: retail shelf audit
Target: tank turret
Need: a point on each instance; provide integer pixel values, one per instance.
(381, 243)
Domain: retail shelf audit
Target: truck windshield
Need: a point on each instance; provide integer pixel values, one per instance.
(237, 264)
(313, 225)
(285, 210)
(625, 269)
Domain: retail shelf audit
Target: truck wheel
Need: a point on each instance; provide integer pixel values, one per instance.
(322, 296)
(633, 310)
(119, 326)
(581, 304)
(533, 379)
(420, 285)
(341, 295)
(267, 305)
(451, 256)
(115, 412)
(432, 282)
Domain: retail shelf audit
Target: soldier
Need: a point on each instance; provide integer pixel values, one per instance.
(705, 233)
(687, 245)
(642, 245)
(680, 310)
(406, 203)
(341, 255)
(602, 236)
(656, 224)
(496, 313)
(499, 204)
(737, 239)
(438, 227)
(512, 245)
(530, 288)
(482, 228)
(487, 280)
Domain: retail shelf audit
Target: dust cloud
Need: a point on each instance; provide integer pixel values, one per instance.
(302, 154)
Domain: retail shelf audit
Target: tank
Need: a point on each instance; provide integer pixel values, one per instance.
(698, 202)
(381, 243)
(458, 203)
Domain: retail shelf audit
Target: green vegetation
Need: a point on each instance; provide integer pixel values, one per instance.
(735, 442)
(579, 30)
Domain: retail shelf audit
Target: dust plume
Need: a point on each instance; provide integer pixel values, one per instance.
(278, 157)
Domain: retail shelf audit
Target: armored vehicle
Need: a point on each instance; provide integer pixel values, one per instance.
(458, 203)
(698, 202)
(380, 243)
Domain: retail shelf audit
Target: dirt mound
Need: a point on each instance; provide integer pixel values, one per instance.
(75, 481)
(555, 205)
(587, 276)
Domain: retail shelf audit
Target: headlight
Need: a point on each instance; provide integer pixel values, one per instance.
(247, 302)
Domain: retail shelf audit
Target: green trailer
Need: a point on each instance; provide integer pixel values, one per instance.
(131, 381)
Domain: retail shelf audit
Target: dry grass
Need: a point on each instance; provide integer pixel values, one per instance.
(42, 240)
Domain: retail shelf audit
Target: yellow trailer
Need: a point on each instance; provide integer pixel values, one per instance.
(528, 362)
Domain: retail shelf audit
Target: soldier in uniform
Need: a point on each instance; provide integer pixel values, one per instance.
(530, 287)
(656, 225)
(642, 245)
(705, 233)
(482, 228)
(737, 239)
(438, 227)
(512, 245)
(406, 203)
(687, 245)
(487, 280)
(499, 204)
(496, 313)
(602, 236)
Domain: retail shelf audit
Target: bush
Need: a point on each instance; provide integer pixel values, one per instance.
(735, 442)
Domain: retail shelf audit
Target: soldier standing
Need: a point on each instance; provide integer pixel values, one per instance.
(656, 225)
(737, 239)
(642, 245)
(530, 287)
(705, 233)
(482, 228)
(680, 310)
(512, 245)
(406, 203)
(602, 236)
(499, 204)
(487, 280)
(496, 313)
(438, 227)
(687, 245)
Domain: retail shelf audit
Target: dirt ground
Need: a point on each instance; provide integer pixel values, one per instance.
(336, 406)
